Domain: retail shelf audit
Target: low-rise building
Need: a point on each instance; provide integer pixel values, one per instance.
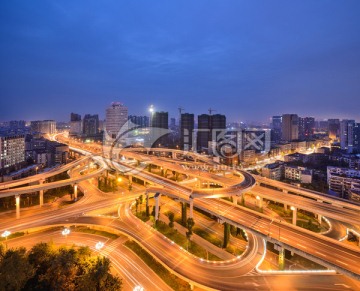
(343, 180)
(300, 174)
(273, 171)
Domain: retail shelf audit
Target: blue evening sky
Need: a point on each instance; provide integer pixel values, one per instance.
(246, 59)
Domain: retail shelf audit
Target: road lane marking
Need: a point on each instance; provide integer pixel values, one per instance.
(301, 246)
(321, 254)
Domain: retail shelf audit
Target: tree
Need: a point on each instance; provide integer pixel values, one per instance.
(136, 205)
(190, 224)
(171, 219)
(15, 269)
(226, 234)
(140, 201)
(99, 277)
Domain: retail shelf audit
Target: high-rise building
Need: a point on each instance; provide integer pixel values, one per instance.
(334, 129)
(356, 138)
(141, 121)
(43, 126)
(290, 127)
(75, 124)
(116, 118)
(209, 128)
(276, 126)
(172, 124)
(159, 128)
(347, 134)
(12, 151)
(306, 127)
(17, 125)
(91, 125)
(186, 131)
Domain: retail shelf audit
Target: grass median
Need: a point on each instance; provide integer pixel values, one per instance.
(170, 279)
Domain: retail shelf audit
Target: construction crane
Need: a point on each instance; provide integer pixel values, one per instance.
(211, 111)
(180, 111)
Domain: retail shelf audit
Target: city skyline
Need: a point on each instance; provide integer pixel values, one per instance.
(246, 60)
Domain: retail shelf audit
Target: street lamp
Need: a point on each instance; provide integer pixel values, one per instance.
(138, 288)
(65, 232)
(5, 234)
(99, 245)
(119, 179)
(36, 169)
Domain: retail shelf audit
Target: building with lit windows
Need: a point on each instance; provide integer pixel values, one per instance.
(43, 126)
(12, 152)
(116, 118)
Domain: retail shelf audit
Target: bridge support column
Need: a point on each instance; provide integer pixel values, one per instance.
(285, 207)
(319, 217)
(75, 191)
(17, 202)
(191, 208)
(281, 258)
(294, 216)
(157, 202)
(130, 179)
(147, 205)
(41, 194)
(235, 199)
(285, 191)
(208, 184)
(260, 201)
(183, 213)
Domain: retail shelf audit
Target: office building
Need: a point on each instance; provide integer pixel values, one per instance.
(290, 127)
(91, 125)
(43, 126)
(186, 131)
(116, 118)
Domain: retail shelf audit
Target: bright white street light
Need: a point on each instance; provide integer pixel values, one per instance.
(138, 288)
(151, 109)
(99, 245)
(5, 234)
(65, 232)
(292, 208)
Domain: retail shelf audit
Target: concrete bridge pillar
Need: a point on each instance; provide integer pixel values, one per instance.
(281, 258)
(285, 207)
(157, 203)
(235, 199)
(285, 191)
(75, 191)
(41, 193)
(294, 216)
(319, 217)
(208, 184)
(259, 201)
(191, 207)
(147, 204)
(130, 179)
(17, 202)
